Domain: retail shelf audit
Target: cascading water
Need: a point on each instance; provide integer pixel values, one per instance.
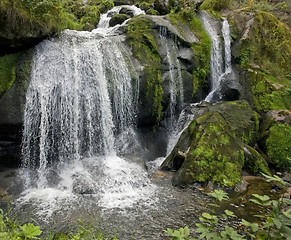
(176, 91)
(220, 65)
(81, 107)
(79, 118)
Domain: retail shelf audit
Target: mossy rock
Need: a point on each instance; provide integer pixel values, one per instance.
(263, 49)
(152, 12)
(215, 146)
(275, 141)
(118, 19)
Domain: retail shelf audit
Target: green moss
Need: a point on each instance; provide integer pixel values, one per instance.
(278, 146)
(266, 52)
(140, 37)
(7, 71)
(216, 5)
(201, 49)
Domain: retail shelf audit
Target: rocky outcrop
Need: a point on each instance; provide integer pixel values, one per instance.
(154, 40)
(216, 146)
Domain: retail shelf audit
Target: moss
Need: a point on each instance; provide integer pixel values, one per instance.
(266, 53)
(278, 146)
(265, 94)
(141, 39)
(201, 49)
(144, 6)
(217, 152)
(7, 71)
(216, 5)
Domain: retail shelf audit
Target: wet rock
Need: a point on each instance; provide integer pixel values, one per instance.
(83, 184)
(162, 6)
(126, 11)
(118, 19)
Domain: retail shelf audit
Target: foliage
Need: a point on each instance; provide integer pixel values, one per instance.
(274, 224)
(7, 71)
(216, 5)
(10, 229)
(51, 16)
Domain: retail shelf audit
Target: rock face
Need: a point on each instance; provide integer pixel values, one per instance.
(165, 51)
(11, 112)
(217, 146)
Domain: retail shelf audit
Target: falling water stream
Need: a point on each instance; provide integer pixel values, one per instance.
(220, 63)
(80, 120)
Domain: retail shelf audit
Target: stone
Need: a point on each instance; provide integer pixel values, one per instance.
(126, 11)
(118, 19)
(214, 146)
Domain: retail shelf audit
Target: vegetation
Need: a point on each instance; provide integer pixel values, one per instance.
(11, 229)
(215, 5)
(51, 16)
(7, 71)
(277, 146)
(273, 223)
(140, 37)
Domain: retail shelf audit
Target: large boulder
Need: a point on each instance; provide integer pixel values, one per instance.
(275, 138)
(217, 146)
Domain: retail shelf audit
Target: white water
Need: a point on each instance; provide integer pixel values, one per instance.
(79, 115)
(220, 63)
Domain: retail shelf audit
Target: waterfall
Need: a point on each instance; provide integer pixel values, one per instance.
(220, 63)
(175, 85)
(81, 106)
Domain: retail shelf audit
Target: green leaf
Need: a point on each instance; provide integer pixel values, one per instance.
(277, 223)
(219, 195)
(261, 198)
(229, 213)
(30, 231)
(256, 201)
(274, 178)
(287, 213)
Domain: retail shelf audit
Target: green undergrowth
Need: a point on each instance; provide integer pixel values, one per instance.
(12, 229)
(273, 222)
(201, 49)
(141, 39)
(7, 71)
(51, 16)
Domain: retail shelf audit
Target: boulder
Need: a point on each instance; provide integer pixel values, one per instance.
(126, 11)
(118, 19)
(162, 6)
(215, 146)
(275, 139)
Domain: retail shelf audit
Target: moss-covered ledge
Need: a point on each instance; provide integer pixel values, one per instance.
(218, 149)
